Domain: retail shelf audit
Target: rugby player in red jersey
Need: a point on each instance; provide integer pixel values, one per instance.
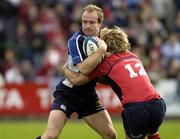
(143, 108)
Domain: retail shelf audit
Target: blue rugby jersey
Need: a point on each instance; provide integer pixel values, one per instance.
(76, 55)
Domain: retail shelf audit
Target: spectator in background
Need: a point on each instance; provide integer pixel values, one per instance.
(170, 52)
(22, 47)
(154, 65)
(155, 28)
(38, 44)
(1, 81)
(9, 58)
(8, 11)
(26, 69)
(11, 67)
(2, 50)
(2, 38)
(120, 14)
(65, 18)
(165, 11)
(147, 10)
(13, 74)
(176, 26)
(178, 87)
(177, 4)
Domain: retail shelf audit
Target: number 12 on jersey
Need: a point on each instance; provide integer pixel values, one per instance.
(131, 70)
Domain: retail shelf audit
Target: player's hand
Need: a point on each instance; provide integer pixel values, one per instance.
(107, 54)
(102, 45)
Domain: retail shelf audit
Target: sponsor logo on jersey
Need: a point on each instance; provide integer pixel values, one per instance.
(98, 105)
(63, 107)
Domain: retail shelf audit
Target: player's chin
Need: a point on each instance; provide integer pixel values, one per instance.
(89, 33)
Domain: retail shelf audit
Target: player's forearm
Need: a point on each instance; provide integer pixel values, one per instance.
(80, 80)
(92, 61)
(74, 77)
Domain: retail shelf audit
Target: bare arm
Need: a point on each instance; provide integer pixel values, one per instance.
(74, 77)
(91, 62)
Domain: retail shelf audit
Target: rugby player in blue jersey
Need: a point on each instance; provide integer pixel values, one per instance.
(80, 99)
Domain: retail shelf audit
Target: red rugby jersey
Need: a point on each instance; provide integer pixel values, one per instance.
(127, 77)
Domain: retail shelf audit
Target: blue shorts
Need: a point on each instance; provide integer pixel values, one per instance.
(142, 118)
(83, 105)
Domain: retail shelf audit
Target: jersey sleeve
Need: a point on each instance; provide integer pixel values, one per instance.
(76, 50)
(96, 73)
(101, 70)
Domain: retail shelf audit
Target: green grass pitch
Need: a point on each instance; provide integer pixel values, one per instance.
(74, 129)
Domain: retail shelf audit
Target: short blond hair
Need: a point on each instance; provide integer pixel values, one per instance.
(116, 40)
(91, 8)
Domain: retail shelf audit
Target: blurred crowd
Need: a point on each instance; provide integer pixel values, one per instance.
(34, 34)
